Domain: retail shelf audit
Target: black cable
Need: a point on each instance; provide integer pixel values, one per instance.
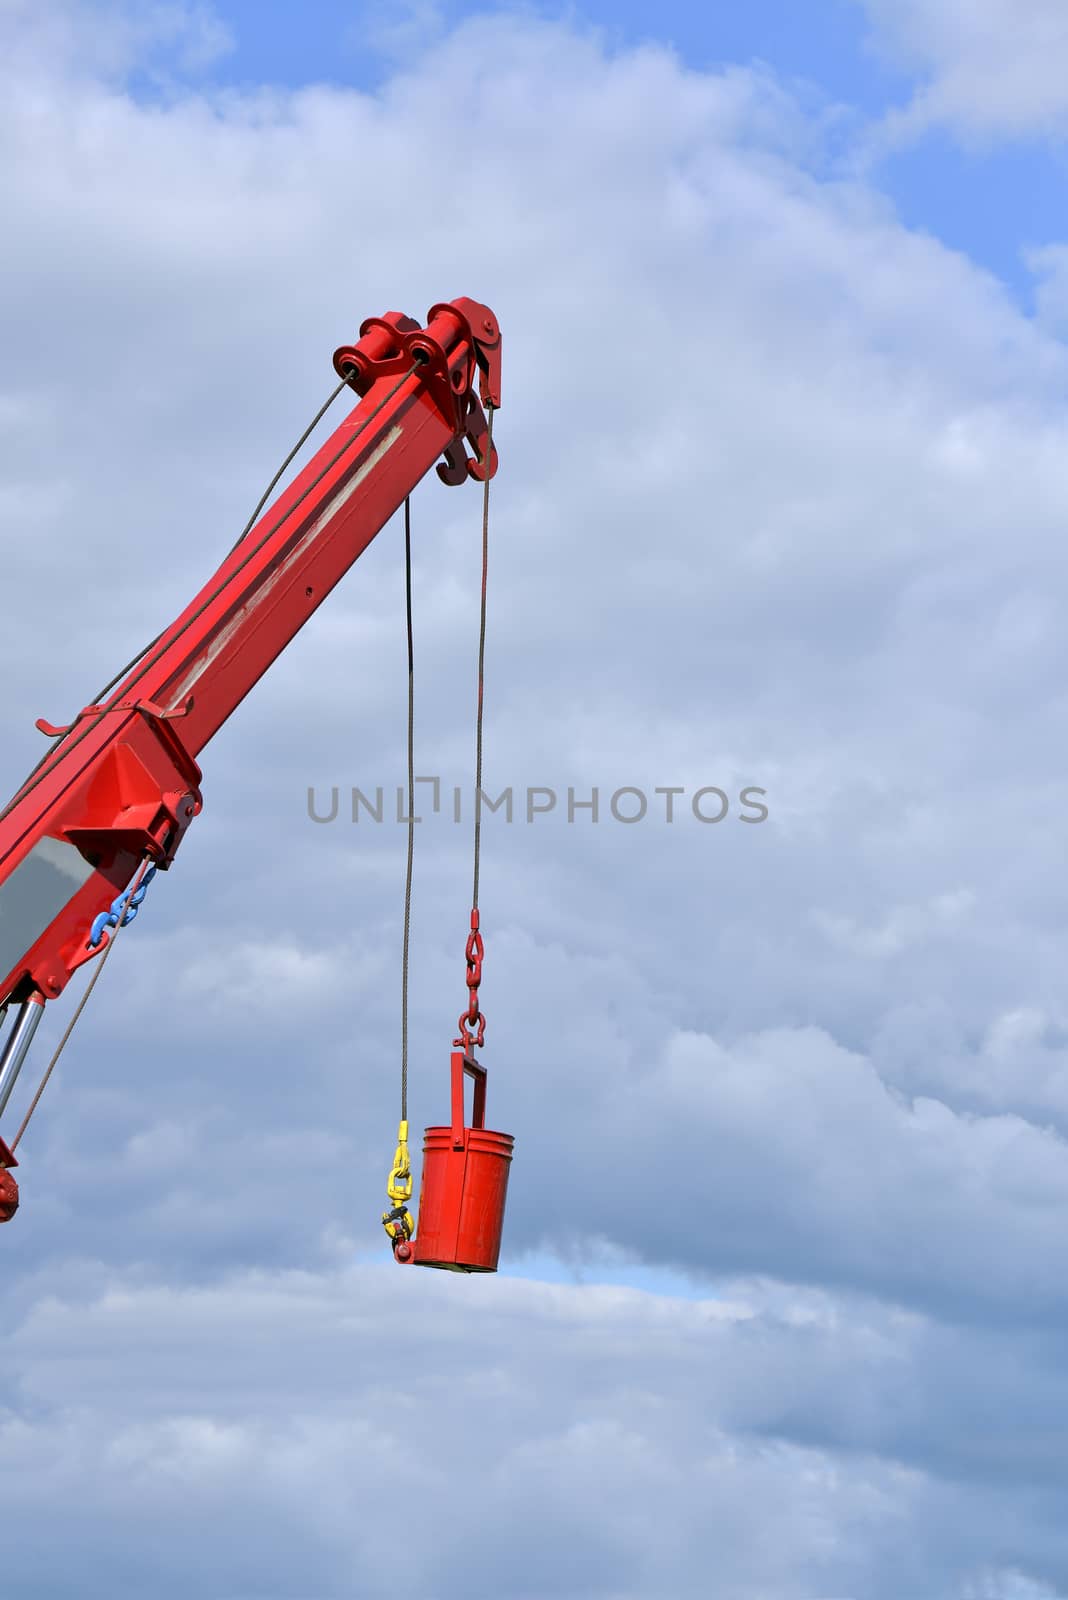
(309, 430)
(482, 650)
(411, 806)
(37, 774)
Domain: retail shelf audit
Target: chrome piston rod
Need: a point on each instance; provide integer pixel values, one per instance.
(17, 1044)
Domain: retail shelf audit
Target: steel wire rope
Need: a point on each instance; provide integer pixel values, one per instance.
(90, 986)
(482, 651)
(27, 787)
(76, 737)
(411, 806)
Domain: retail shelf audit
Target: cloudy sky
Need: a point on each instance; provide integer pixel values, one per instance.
(782, 503)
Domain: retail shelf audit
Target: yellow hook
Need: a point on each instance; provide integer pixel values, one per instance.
(399, 1186)
(397, 1221)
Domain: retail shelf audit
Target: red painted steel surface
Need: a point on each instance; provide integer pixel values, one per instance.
(124, 782)
(9, 1189)
(465, 1184)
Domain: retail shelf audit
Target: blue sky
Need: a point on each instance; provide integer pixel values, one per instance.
(782, 502)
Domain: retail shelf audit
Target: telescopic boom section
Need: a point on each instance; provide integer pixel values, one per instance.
(122, 782)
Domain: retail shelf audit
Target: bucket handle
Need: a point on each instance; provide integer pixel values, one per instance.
(461, 1063)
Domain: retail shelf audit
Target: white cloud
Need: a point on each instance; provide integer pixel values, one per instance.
(1050, 267)
(782, 498)
(815, 1169)
(110, 38)
(610, 1438)
(988, 68)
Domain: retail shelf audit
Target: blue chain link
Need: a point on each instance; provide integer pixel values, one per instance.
(110, 919)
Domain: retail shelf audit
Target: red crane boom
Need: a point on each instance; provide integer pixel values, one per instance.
(121, 784)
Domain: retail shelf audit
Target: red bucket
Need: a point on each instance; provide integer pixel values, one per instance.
(465, 1181)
